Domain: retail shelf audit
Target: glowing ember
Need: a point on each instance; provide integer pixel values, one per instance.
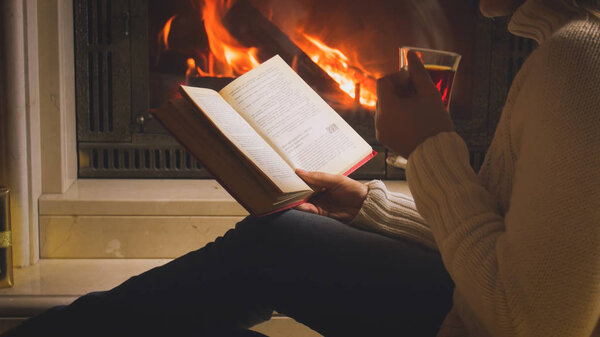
(191, 69)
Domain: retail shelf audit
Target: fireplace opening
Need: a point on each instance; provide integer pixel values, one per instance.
(131, 56)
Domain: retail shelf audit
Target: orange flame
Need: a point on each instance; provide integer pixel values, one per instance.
(352, 79)
(231, 57)
(163, 36)
(191, 69)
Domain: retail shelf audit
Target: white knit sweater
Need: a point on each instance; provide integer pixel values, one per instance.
(521, 240)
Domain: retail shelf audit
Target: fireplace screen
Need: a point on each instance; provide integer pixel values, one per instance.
(131, 56)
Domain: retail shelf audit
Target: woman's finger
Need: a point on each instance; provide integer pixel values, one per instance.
(385, 89)
(308, 207)
(318, 179)
(397, 84)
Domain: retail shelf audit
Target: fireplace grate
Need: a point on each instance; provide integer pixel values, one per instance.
(113, 142)
(128, 160)
(102, 72)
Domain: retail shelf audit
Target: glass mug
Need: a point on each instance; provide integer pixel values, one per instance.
(441, 66)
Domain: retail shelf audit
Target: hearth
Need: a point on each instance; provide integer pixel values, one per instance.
(132, 55)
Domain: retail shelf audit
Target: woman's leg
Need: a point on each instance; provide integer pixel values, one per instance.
(341, 281)
(336, 279)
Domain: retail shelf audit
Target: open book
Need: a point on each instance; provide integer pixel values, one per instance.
(257, 130)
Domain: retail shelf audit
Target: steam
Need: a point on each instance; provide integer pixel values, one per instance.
(369, 33)
(286, 15)
(433, 23)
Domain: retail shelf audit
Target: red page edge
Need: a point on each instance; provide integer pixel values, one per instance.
(361, 163)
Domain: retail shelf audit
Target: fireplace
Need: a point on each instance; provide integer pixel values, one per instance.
(132, 55)
(62, 216)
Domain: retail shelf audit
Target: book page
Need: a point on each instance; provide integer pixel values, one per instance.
(243, 136)
(294, 119)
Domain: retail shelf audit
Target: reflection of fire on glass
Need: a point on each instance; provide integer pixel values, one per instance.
(442, 77)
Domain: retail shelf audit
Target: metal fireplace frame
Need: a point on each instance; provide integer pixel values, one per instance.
(118, 138)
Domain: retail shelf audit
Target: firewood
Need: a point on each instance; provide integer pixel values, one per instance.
(251, 28)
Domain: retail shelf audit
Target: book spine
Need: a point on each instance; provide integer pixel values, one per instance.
(6, 263)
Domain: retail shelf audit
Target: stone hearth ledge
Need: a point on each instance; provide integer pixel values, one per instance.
(138, 218)
(151, 197)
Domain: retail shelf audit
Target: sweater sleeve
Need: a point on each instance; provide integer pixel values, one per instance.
(393, 215)
(535, 270)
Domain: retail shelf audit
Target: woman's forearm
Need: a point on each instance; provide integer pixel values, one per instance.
(394, 215)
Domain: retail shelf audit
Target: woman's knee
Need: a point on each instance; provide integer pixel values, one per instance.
(264, 226)
(283, 230)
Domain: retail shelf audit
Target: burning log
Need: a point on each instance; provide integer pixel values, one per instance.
(215, 83)
(251, 28)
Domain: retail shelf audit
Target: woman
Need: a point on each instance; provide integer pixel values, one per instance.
(521, 241)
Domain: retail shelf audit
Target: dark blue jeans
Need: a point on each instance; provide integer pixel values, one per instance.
(338, 280)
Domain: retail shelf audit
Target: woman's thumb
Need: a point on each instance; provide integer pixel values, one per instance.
(318, 179)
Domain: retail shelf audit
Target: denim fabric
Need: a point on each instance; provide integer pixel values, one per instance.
(338, 280)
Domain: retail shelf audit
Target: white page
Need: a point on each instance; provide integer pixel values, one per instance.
(295, 120)
(243, 136)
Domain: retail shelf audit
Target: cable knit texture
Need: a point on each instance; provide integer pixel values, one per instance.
(521, 240)
(393, 214)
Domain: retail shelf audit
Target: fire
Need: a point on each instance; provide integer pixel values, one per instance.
(163, 36)
(352, 79)
(232, 58)
(191, 69)
(229, 58)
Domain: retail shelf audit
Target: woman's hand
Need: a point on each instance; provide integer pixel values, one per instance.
(338, 196)
(409, 109)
